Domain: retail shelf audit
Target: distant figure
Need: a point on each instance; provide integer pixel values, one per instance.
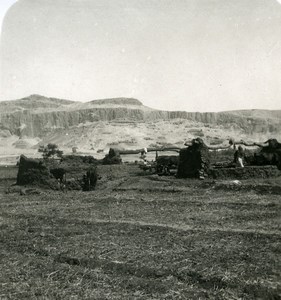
(143, 156)
(232, 143)
(61, 185)
(239, 156)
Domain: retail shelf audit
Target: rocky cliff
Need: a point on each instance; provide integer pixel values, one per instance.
(95, 126)
(36, 115)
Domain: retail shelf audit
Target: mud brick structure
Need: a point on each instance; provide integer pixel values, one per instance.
(194, 161)
(247, 172)
(112, 158)
(32, 171)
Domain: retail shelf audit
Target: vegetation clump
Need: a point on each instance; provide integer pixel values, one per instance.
(50, 151)
(88, 159)
(69, 173)
(112, 158)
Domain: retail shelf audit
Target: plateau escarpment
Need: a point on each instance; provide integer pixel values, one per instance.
(35, 115)
(100, 123)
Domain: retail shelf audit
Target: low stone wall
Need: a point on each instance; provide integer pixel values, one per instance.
(244, 173)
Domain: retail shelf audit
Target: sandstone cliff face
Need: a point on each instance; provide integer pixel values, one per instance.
(21, 118)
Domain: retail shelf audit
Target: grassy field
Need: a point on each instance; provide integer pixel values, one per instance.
(141, 237)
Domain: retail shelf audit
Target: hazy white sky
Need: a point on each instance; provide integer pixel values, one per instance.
(4, 6)
(194, 55)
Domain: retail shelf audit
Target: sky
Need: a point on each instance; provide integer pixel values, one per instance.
(4, 6)
(193, 55)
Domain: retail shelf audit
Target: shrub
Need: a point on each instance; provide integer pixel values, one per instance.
(50, 151)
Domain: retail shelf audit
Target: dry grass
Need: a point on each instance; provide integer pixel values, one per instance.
(141, 237)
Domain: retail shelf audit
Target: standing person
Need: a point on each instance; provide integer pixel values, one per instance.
(143, 156)
(239, 157)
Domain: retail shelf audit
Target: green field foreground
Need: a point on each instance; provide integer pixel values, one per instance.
(141, 237)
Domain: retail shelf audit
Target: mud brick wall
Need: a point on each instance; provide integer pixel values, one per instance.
(244, 173)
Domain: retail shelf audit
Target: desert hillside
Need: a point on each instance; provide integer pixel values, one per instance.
(96, 125)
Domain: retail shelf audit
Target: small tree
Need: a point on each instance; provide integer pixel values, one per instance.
(50, 151)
